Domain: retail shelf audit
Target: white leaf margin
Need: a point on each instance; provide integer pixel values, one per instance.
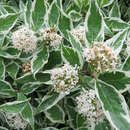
(115, 4)
(55, 121)
(34, 58)
(86, 23)
(76, 51)
(114, 38)
(124, 106)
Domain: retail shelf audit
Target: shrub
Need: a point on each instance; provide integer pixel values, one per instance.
(64, 65)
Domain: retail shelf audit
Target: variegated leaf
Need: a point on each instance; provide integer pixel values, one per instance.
(115, 11)
(13, 107)
(94, 23)
(116, 24)
(49, 101)
(27, 112)
(64, 24)
(105, 3)
(55, 114)
(8, 21)
(27, 15)
(71, 56)
(117, 41)
(53, 14)
(39, 60)
(2, 68)
(38, 14)
(114, 105)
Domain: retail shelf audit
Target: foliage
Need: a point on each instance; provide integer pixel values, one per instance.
(64, 64)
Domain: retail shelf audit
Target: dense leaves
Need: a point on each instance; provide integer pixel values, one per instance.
(76, 72)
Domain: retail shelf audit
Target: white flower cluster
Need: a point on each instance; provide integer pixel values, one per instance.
(51, 37)
(89, 106)
(79, 33)
(16, 121)
(101, 57)
(65, 78)
(24, 39)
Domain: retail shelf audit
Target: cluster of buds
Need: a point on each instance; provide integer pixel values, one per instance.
(15, 120)
(101, 57)
(51, 37)
(79, 33)
(24, 39)
(89, 106)
(65, 78)
(26, 67)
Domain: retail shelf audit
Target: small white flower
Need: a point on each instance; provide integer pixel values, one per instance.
(14, 120)
(89, 106)
(101, 57)
(51, 37)
(79, 33)
(24, 39)
(64, 78)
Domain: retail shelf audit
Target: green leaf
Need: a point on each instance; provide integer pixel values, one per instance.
(75, 43)
(81, 3)
(115, 11)
(9, 9)
(30, 84)
(39, 60)
(27, 112)
(8, 21)
(43, 77)
(12, 70)
(28, 13)
(118, 79)
(64, 24)
(6, 89)
(53, 15)
(94, 24)
(21, 6)
(72, 114)
(126, 65)
(75, 16)
(105, 3)
(2, 38)
(13, 107)
(13, 51)
(81, 121)
(2, 69)
(117, 41)
(107, 31)
(29, 88)
(7, 55)
(38, 14)
(54, 60)
(3, 11)
(116, 24)
(49, 101)
(114, 105)
(73, 7)
(102, 126)
(55, 114)
(27, 78)
(71, 56)
(3, 128)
